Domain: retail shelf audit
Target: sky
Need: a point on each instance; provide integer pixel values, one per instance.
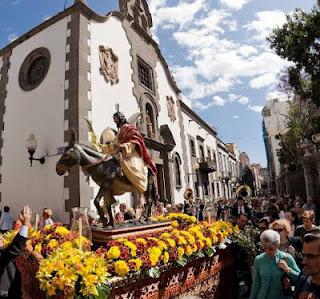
(216, 50)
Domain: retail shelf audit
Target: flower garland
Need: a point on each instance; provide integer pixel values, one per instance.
(126, 256)
(178, 219)
(52, 236)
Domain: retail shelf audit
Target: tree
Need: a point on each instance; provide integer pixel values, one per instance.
(303, 122)
(298, 41)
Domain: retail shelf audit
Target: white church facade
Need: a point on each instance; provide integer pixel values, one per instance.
(79, 64)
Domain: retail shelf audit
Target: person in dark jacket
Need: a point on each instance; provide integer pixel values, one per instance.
(10, 280)
(240, 208)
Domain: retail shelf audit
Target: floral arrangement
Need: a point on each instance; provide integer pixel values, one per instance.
(72, 272)
(8, 237)
(51, 237)
(127, 256)
(247, 240)
(178, 219)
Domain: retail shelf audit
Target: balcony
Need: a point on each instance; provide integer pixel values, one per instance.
(207, 165)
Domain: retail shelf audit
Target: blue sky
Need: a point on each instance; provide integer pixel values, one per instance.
(216, 50)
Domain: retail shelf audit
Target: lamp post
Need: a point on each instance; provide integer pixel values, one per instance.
(32, 144)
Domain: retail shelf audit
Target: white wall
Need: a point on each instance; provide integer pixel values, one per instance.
(40, 111)
(104, 96)
(192, 128)
(165, 89)
(275, 124)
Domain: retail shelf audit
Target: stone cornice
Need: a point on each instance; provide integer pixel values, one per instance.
(196, 118)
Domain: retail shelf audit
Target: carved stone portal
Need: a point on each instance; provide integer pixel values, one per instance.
(171, 109)
(109, 65)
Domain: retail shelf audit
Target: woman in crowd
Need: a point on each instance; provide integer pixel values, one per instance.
(270, 267)
(287, 244)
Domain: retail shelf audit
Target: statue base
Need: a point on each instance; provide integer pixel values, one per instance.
(102, 235)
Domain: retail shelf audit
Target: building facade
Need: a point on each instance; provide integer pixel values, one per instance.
(49, 86)
(275, 119)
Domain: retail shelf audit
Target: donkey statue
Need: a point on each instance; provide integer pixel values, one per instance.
(104, 170)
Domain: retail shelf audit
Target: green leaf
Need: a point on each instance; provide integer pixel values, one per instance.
(210, 252)
(182, 261)
(154, 272)
(103, 292)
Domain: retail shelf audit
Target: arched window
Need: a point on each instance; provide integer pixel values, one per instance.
(177, 170)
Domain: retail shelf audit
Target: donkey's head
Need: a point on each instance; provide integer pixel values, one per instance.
(71, 155)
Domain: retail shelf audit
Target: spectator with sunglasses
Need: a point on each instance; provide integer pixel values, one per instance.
(287, 244)
(269, 268)
(308, 285)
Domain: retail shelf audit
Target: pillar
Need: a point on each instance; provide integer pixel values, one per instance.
(308, 179)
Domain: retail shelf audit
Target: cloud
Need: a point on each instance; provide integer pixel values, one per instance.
(234, 4)
(264, 80)
(255, 108)
(276, 95)
(200, 106)
(247, 51)
(12, 37)
(243, 100)
(218, 101)
(236, 117)
(232, 97)
(180, 14)
(265, 22)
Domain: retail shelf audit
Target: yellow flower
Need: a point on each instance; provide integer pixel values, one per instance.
(113, 253)
(66, 245)
(132, 247)
(142, 241)
(175, 223)
(121, 268)
(208, 241)
(62, 230)
(138, 264)
(53, 243)
(189, 250)
(171, 242)
(166, 257)
(162, 245)
(38, 248)
(181, 240)
(47, 227)
(180, 251)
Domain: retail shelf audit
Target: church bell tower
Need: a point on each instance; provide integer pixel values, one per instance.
(138, 11)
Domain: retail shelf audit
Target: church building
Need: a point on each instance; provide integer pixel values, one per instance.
(78, 65)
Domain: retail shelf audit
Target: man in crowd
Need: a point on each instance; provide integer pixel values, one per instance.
(308, 226)
(242, 220)
(126, 213)
(308, 286)
(240, 208)
(10, 280)
(6, 221)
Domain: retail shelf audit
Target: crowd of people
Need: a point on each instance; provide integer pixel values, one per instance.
(288, 265)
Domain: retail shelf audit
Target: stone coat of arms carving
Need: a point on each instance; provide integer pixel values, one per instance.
(109, 64)
(171, 109)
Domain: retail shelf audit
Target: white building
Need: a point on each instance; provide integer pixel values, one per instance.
(79, 64)
(275, 120)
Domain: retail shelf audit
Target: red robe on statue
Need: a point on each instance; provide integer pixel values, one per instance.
(129, 133)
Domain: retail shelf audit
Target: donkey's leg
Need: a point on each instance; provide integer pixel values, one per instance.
(102, 191)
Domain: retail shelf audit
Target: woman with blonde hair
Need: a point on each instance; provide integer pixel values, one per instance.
(287, 244)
